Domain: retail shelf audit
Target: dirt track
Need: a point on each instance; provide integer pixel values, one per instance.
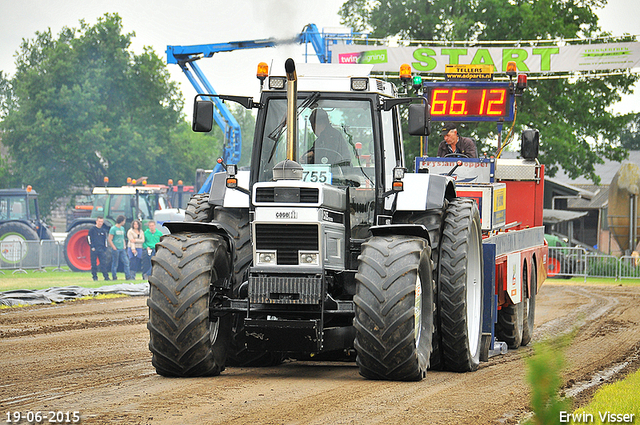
(92, 357)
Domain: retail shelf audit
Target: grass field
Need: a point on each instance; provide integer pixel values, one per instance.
(620, 398)
(594, 281)
(49, 279)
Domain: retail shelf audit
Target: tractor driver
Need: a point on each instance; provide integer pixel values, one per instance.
(329, 145)
(455, 144)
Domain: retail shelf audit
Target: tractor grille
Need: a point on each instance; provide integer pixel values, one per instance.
(287, 240)
(307, 195)
(285, 290)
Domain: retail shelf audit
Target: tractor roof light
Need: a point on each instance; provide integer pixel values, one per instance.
(359, 84)
(417, 82)
(277, 83)
(522, 82)
(29, 188)
(405, 73)
(263, 71)
(512, 69)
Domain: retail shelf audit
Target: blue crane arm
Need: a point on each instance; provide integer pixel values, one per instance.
(186, 57)
(311, 34)
(178, 54)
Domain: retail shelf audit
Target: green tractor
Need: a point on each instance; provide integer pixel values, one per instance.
(20, 222)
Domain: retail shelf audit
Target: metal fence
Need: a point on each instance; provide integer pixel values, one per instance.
(567, 262)
(577, 262)
(17, 255)
(629, 267)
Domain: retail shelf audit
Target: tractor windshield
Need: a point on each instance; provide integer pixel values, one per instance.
(13, 208)
(110, 206)
(335, 141)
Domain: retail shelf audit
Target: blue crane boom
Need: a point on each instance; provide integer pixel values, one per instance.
(186, 57)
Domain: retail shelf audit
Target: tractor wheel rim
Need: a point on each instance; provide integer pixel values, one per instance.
(474, 291)
(418, 312)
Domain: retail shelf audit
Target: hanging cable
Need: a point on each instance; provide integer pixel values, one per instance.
(513, 124)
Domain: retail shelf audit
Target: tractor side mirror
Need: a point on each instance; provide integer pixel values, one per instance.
(530, 144)
(418, 123)
(202, 116)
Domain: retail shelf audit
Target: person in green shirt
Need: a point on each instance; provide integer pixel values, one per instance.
(151, 238)
(118, 245)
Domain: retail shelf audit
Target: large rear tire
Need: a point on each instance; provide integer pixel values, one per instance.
(14, 246)
(529, 313)
(554, 267)
(394, 308)
(460, 297)
(198, 208)
(77, 251)
(184, 340)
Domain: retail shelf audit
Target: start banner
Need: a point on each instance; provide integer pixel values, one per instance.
(539, 59)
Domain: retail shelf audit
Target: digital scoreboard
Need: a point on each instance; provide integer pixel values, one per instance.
(470, 101)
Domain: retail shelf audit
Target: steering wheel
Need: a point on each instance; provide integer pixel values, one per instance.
(456, 155)
(333, 156)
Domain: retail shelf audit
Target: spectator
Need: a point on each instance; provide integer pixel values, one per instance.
(151, 238)
(455, 144)
(98, 242)
(134, 250)
(117, 243)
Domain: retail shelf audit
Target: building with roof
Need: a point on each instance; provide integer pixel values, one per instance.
(578, 208)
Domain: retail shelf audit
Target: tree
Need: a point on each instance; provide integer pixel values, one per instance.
(82, 106)
(577, 128)
(630, 137)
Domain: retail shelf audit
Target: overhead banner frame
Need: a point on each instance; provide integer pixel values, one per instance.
(532, 59)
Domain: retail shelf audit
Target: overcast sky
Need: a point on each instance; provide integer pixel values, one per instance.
(160, 23)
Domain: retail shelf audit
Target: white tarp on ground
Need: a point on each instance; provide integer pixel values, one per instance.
(66, 293)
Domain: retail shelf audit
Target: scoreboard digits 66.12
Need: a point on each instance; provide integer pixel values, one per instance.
(470, 101)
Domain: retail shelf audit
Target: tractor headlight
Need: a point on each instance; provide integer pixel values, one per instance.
(267, 257)
(308, 258)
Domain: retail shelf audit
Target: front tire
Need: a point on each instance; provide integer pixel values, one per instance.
(184, 340)
(235, 222)
(394, 308)
(460, 297)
